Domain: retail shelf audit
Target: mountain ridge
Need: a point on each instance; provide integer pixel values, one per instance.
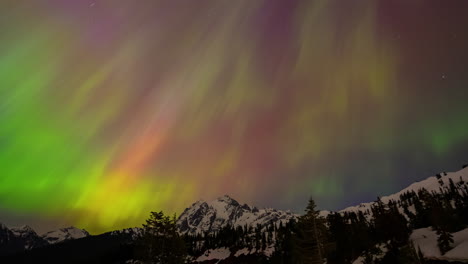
(206, 217)
(430, 184)
(16, 239)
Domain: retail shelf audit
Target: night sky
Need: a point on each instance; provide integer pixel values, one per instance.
(110, 109)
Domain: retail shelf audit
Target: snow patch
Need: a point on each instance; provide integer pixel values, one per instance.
(426, 240)
(214, 254)
(244, 251)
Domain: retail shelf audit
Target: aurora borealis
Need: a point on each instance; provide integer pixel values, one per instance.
(110, 109)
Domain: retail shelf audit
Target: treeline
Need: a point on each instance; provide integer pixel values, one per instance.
(379, 235)
(255, 239)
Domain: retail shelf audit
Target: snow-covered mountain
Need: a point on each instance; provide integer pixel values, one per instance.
(30, 238)
(25, 238)
(435, 183)
(204, 217)
(64, 234)
(211, 216)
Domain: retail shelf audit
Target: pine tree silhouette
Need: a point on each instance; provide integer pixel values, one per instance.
(161, 243)
(311, 235)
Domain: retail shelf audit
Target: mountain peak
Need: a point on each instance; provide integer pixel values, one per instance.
(63, 234)
(227, 199)
(212, 216)
(24, 231)
(24, 228)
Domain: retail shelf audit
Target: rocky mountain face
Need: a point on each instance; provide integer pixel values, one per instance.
(206, 217)
(203, 217)
(64, 234)
(30, 238)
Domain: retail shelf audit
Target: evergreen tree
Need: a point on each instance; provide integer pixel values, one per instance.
(444, 241)
(310, 236)
(160, 242)
(285, 244)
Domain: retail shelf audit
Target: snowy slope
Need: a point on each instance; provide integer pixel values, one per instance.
(425, 239)
(204, 217)
(383, 250)
(64, 234)
(430, 184)
(214, 254)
